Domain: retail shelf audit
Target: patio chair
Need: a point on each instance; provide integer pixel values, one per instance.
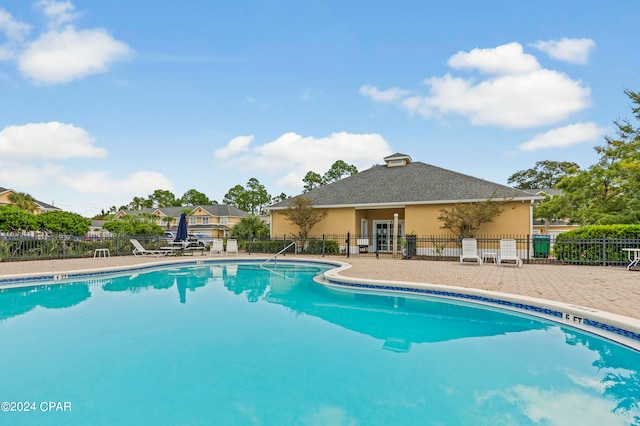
(139, 250)
(509, 253)
(216, 247)
(232, 247)
(470, 251)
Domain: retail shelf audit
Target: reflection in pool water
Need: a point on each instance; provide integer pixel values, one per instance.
(237, 344)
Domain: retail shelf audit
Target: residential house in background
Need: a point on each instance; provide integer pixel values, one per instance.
(550, 228)
(215, 220)
(41, 207)
(410, 194)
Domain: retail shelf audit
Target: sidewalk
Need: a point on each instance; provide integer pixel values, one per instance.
(610, 289)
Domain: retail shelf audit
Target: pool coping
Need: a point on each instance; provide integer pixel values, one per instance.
(621, 329)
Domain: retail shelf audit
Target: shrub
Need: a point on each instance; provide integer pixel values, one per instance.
(270, 246)
(596, 244)
(330, 247)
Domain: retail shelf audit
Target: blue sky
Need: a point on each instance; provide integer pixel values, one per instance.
(106, 100)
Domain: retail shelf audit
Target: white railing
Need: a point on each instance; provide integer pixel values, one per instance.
(275, 256)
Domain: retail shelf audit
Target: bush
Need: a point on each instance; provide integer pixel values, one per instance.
(274, 246)
(330, 247)
(597, 231)
(596, 244)
(269, 246)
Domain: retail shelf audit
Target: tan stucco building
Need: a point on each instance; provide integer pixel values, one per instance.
(41, 207)
(215, 220)
(366, 204)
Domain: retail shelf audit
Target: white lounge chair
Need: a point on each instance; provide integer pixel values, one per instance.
(509, 253)
(470, 251)
(232, 247)
(139, 250)
(217, 248)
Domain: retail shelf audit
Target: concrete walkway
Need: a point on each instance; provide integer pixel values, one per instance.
(609, 289)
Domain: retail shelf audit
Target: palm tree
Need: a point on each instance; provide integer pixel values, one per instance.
(168, 220)
(23, 201)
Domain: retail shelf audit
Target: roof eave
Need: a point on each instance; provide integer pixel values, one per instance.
(410, 203)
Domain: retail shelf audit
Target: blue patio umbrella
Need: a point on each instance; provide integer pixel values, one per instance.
(181, 234)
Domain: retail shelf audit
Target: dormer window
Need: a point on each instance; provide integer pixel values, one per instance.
(397, 160)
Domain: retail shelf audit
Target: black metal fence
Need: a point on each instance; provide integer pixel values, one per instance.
(16, 248)
(604, 250)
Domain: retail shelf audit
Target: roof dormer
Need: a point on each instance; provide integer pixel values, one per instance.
(397, 160)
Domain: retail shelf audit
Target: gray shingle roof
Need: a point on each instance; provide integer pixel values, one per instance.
(415, 183)
(214, 210)
(43, 206)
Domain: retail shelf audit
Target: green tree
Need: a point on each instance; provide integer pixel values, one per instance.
(278, 198)
(311, 181)
(133, 224)
(609, 191)
(15, 220)
(63, 223)
(545, 174)
(301, 212)
(465, 219)
(251, 198)
(23, 201)
(249, 227)
(119, 227)
(552, 208)
(195, 198)
(139, 203)
(103, 215)
(163, 198)
(167, 221)
(237, 196)
(337, 171)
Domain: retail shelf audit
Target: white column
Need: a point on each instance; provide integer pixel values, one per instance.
(395, 234)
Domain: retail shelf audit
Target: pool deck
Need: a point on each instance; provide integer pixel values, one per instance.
(610, 289)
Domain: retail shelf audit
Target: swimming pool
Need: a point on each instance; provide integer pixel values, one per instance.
(233, 343)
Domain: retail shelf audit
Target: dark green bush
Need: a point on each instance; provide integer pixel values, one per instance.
(597, 231)
(270, 246)
(596, 244)
(330, 247)
(274, 246)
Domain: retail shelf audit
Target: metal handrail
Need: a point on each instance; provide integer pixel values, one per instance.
(275, 256)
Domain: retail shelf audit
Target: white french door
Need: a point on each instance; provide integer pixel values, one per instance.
(383, 230)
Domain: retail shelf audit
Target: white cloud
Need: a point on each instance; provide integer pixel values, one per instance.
(59, 57)
(505, 59)
(14, 31)
(292, 155)
(62, 53)
(383, 95)
(235, 146)
(21, 175)
(520, 94)
(573, 50)
(58, 12)
(539, 98)
(564, 137)
(101, 182)
(52, 140)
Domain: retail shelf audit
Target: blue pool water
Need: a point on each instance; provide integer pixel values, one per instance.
(236, 344)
